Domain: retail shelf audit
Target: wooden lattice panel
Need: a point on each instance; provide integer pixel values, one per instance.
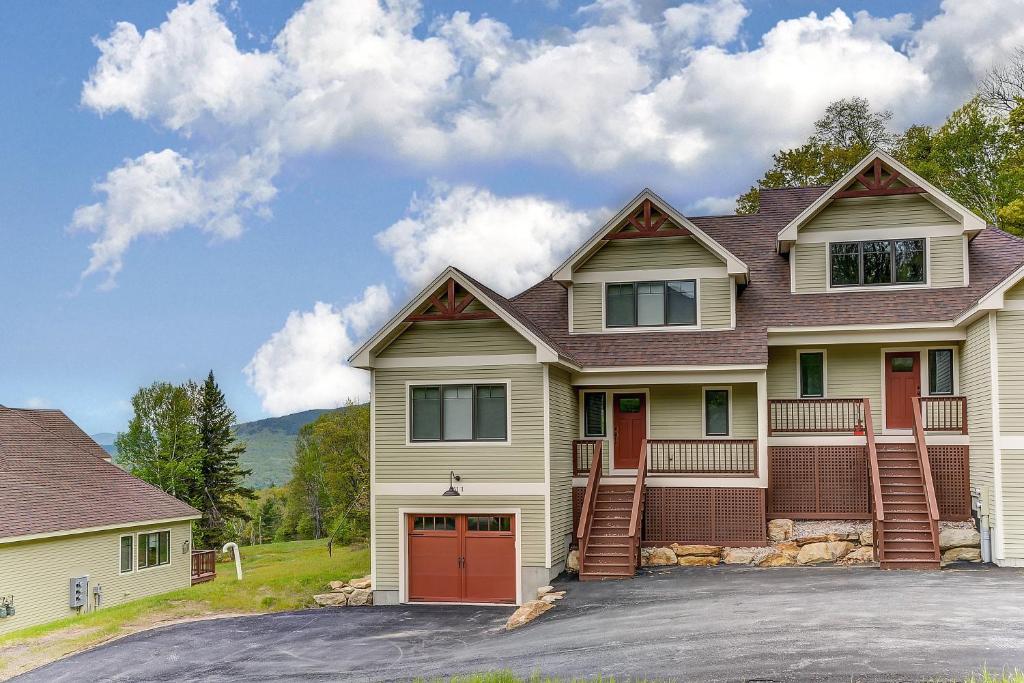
(951, 474)
(577, 505)
(818, 482)
(718, 516)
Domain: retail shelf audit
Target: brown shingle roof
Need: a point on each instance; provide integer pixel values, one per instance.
(52, 481)
(767, 301)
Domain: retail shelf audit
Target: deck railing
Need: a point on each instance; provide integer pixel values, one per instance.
(582, 455)
(944, 414)
(204, 566)
(703, 456)
(816, 416)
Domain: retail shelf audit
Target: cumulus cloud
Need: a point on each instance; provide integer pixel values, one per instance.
(303, 366)
(510, 242)
(634, 85)
(712, 206)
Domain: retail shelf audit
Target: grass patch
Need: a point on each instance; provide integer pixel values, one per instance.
(278, 577)
(986, 676)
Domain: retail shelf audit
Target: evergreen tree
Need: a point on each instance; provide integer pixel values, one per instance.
(221, 473)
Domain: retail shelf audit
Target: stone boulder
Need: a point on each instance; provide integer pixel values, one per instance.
(787, 548)
(572, 562)
(544, 590)
(331, 599)
(365, 582)
(867, 537)
(862, 555)
(822, 552)
(959, 538)
(698, 561)
(360, 597)
(780, 530)
(819, 538)
(696, 550)
(527, 613)
(738, 555)
(660, 557)
(551, 597)
(337, 586)
(962, 555)
(777, 559)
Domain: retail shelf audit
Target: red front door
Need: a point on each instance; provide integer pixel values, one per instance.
(462, 558)
(902, 383)
(630, 412)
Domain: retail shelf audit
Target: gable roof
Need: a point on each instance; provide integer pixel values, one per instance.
(547, 350)
(54, 483)
(972, 224)
(734, 266)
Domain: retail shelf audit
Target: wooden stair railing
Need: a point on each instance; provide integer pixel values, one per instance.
(926, 474)
(636, 517)
(589, 501)
(878, 518)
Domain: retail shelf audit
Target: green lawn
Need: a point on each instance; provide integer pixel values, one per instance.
(278, 576)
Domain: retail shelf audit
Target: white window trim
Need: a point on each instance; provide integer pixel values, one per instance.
(922, 354)
(483, 443)
(131, 553)
(703, 411)
(824, 372)
(657, 328)
(170, 555)
(583, 415)
(876, 288)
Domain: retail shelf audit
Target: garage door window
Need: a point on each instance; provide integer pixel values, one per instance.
(434, 524)
(494, 523)
(459, 412)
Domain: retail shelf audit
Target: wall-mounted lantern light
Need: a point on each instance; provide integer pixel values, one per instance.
(452, 478)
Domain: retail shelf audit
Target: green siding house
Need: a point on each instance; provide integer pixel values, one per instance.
(78, 534)
(847, 353)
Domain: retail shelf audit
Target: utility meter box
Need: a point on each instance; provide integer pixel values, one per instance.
(97, 595)
(79, 592)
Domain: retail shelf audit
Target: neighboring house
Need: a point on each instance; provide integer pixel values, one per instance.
(66, 513)
(848, 352)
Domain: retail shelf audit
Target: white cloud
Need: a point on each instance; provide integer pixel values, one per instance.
(303, 366)
(160, 192)
(37, 402)
(712, 206)
(717, 21)
(509, 242)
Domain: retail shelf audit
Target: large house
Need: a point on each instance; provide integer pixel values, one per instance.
(849, 352)
(77, 533)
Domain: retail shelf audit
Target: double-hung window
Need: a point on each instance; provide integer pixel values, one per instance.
(126, 554)
(716, 412)
(154, 549)
(812, 374)
(459, 412)
(940, 372)
(877, 262)
(651, 304)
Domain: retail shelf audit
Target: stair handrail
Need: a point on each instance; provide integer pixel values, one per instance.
(589, 502)
(922, 455)
(635, 516)
(876, 476)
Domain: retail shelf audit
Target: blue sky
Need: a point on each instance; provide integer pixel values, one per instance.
(250, 179)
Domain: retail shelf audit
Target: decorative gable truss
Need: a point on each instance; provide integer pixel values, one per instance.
(879, 180)
(647, 220)
(452, 302)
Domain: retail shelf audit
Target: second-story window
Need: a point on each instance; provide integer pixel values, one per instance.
(459, 412)
(877, 262)
(651, 304)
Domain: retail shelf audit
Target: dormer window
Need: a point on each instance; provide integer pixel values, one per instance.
(877, 262)
(651, 304)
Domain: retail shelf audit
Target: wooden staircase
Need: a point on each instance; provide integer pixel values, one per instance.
(906, 520)
(609, 528)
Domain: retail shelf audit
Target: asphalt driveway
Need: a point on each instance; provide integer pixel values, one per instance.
(678, 624)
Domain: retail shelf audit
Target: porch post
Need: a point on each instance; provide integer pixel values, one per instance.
(762, 428)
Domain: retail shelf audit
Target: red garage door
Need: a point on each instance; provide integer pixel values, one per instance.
(462, 558)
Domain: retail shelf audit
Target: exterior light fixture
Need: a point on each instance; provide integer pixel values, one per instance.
(452, 478)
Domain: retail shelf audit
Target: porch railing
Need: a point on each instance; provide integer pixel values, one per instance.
(582, 455)
(944, 414)
(204, 566)
(703, 456)
(816, 416)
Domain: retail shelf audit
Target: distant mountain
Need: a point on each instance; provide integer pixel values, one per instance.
(269, 446)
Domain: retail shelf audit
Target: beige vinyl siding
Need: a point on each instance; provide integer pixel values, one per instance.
(1013, 502)
(586, 307)
(458, 338)
(387, 527)
(782, 372)
(1015, 293)
(976, 385)
(810, 267)
(661, 252)
(947, 261)
(37, 573)
(1010, 333)
(676, 411)
(522, 460)
(878, 212)
(715, 303)
(564, 407)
